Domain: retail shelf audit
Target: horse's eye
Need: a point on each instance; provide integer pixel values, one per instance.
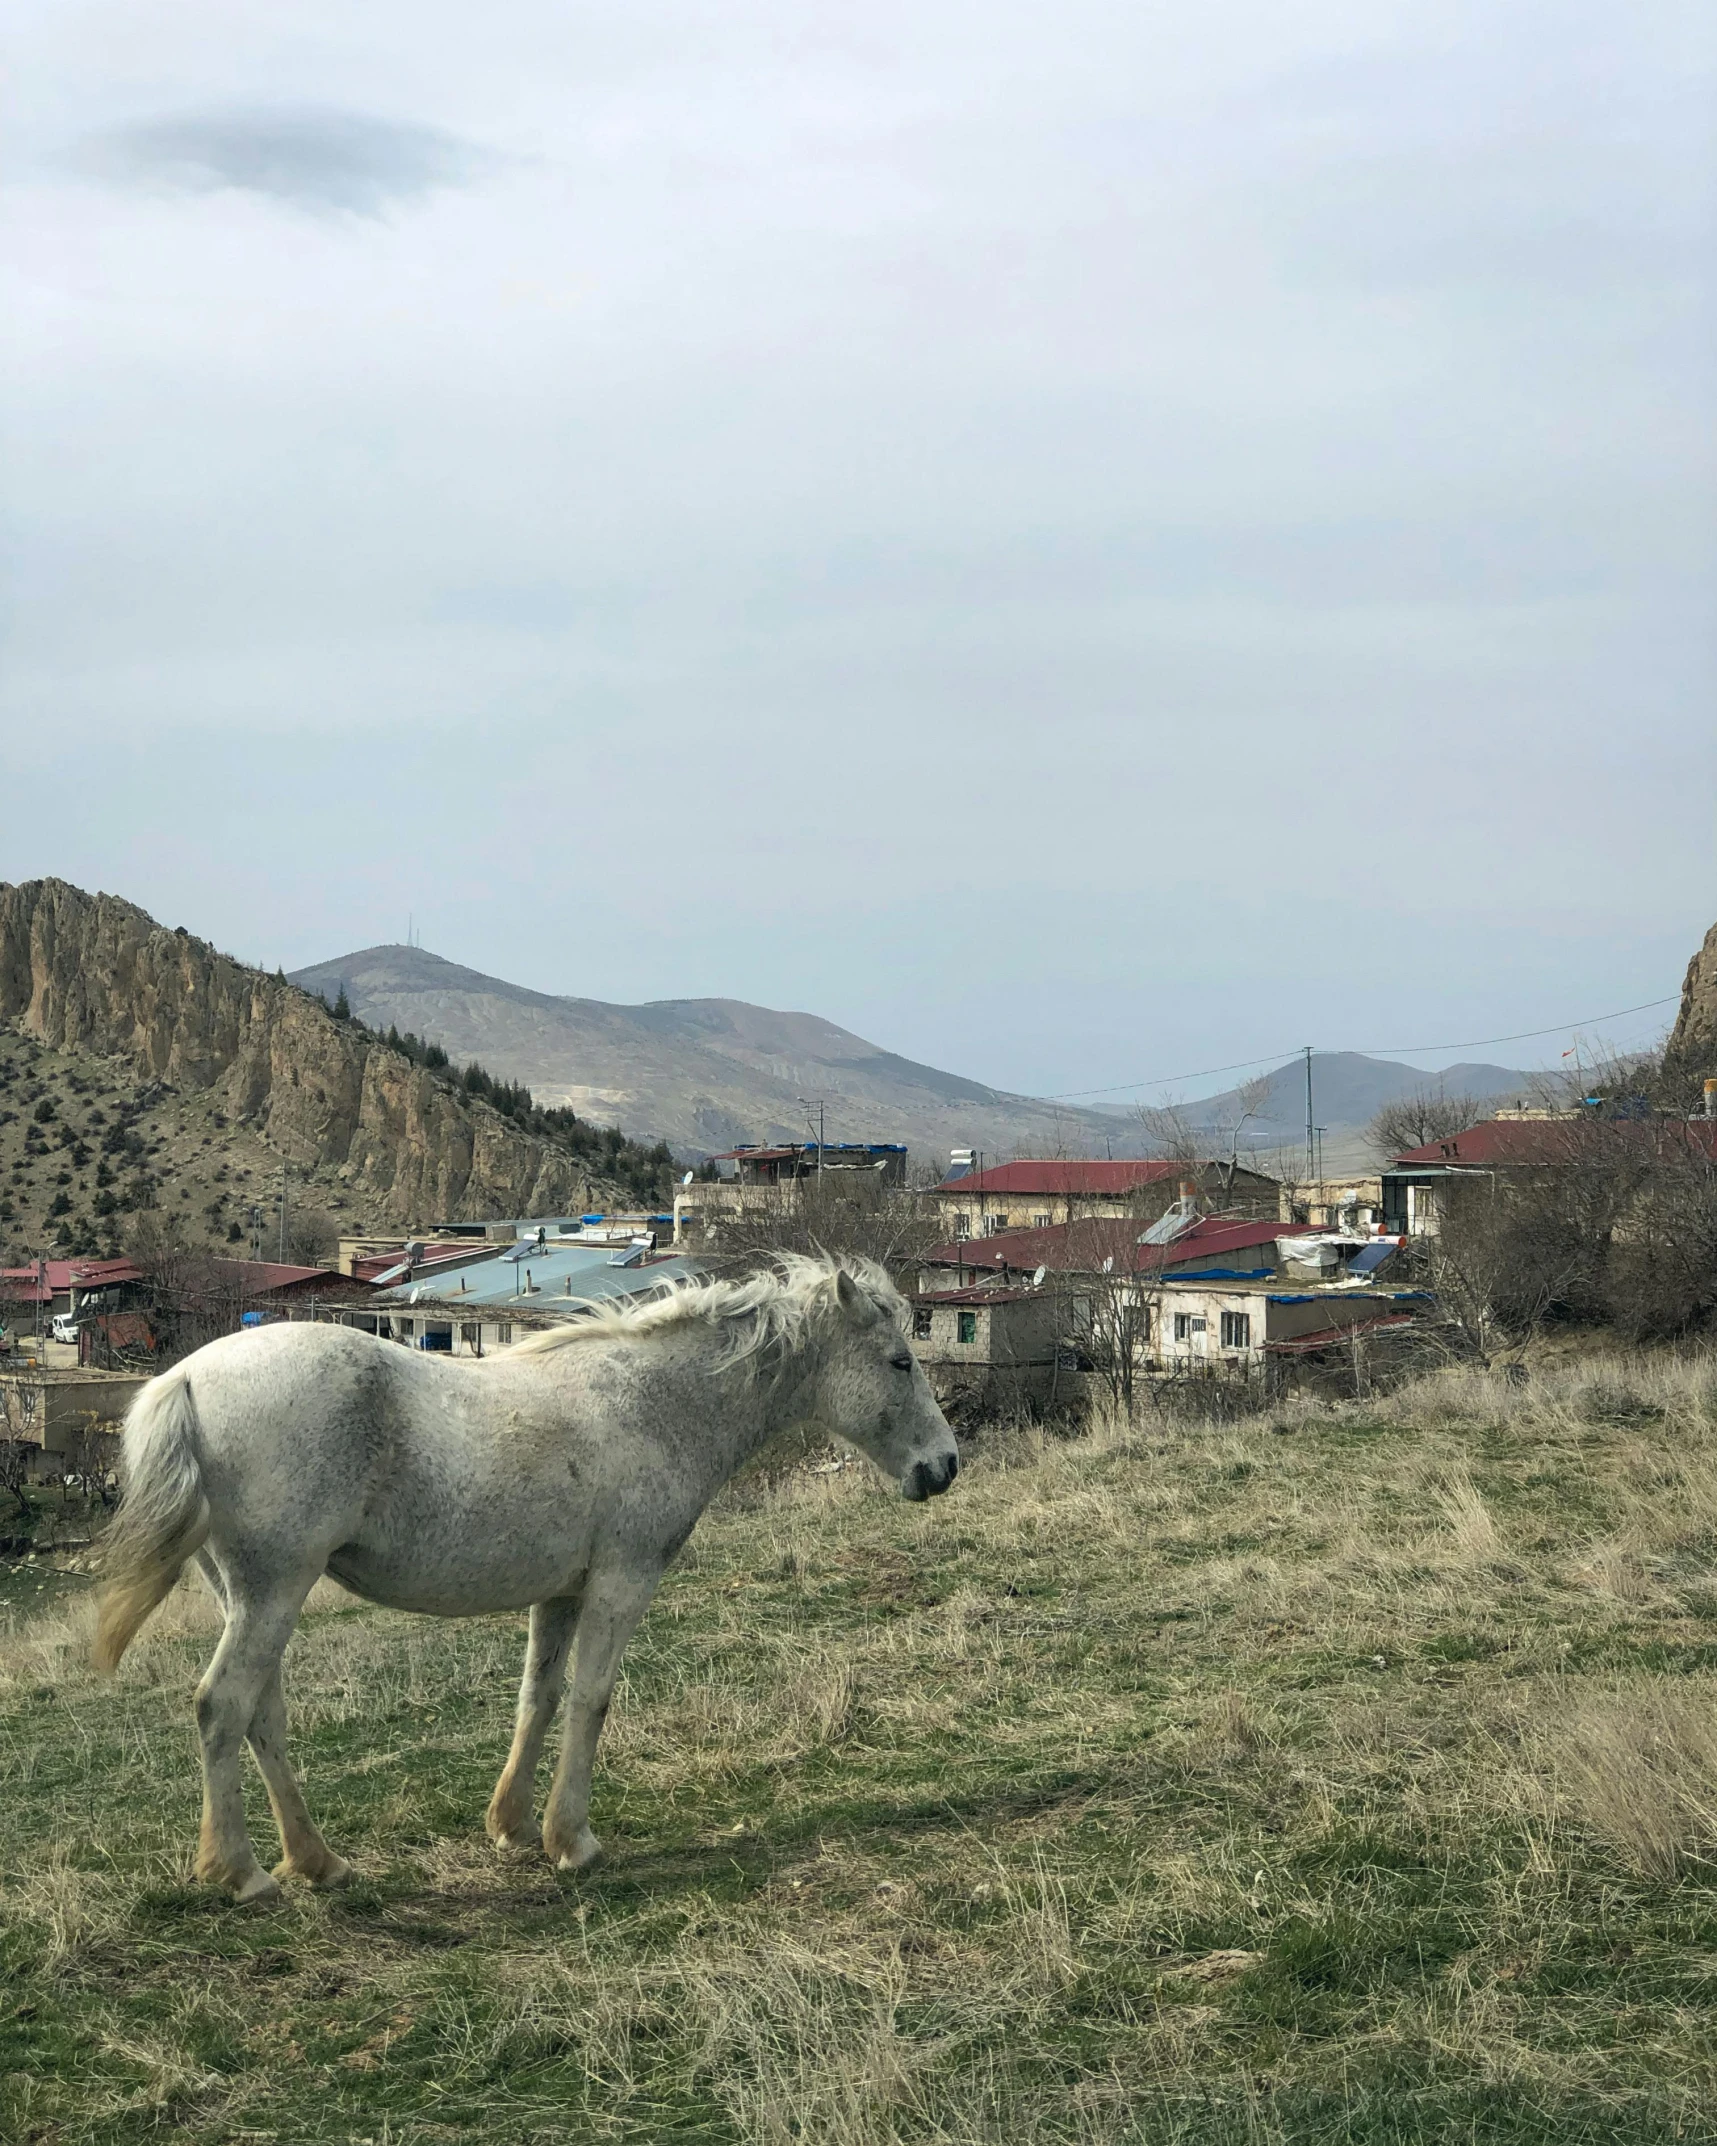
(901, 1363)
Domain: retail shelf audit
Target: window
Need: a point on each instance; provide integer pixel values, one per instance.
(1042, 1221)
(1186, 1324)
(921, 1317)
(403, 1329)
(966, 1326)
(503, 1333)
(995, 1224)
(962, 1225)
(1236, 1330)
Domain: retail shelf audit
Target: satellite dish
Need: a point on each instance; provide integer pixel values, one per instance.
(1109, 1264)
(1037, 1278)
(686, 1180)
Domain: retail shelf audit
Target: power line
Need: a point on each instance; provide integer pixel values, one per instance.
(1271, 1058)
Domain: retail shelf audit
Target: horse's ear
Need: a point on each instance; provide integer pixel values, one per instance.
(852, 1299)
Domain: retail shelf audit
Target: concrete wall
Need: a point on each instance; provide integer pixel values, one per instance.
(1021, 1330)
(1252, 1193)
(1271, 1320)
(47, 1408)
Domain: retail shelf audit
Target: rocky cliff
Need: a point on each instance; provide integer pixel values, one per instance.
(94, 974)
(1693, 1040)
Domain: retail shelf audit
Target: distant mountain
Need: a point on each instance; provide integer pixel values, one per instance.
(1348, 1090)
(703, 1074)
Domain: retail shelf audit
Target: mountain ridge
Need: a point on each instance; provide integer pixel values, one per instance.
(709, 1073)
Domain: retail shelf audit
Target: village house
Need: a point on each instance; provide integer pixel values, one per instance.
(1209, 1294)
(1417, 1185)
(1039, 1195)
(990, 1344)
(769, 1180)
(1332, 1202)
(478, 1306)
(67, 1288)
(1205, 1328)
(1214, 1246)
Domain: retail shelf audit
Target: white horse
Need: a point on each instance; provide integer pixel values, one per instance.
(562, 1477)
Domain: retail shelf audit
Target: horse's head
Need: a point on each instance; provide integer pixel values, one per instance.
(873, 1391)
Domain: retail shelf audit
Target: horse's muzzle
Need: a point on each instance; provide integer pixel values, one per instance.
(929, 1478)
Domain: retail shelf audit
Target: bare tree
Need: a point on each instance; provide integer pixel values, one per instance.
(190, 1295)
(1109, 1317)
(15, 1472)
(1411, 1121)
(92, 1455)
(1169, 1129)
(312, 1236)
(850, 1211)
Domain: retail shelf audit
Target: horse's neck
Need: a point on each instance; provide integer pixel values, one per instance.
(756, 1409)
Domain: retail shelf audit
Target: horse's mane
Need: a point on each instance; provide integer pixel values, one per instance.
(786, 1304)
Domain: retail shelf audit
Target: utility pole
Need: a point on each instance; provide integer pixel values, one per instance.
(283, 1214)
(805, 1106)
(1311, 1130)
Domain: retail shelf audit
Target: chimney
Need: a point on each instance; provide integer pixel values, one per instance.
(1711, 1098)
(1187, 1189)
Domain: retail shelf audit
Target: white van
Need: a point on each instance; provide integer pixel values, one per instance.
(64, 1328)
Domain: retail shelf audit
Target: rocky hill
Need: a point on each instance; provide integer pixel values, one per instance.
(1693, 1040)
(251, 1061)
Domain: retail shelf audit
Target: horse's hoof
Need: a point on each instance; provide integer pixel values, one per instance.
(512, 1843)
(326, 1871)
(584, 1854)
(256, 1891)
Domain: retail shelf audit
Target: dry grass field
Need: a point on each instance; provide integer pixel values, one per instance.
(1349, 1776)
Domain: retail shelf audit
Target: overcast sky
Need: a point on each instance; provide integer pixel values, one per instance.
(1081, 542)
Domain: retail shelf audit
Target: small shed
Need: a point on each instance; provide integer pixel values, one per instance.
(997, 1344)
(51, 1411)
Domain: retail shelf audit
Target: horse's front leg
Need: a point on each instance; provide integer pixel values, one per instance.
(612, 1608)
(539, 1694)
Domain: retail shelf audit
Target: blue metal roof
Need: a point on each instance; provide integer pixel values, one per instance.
(560, 1275)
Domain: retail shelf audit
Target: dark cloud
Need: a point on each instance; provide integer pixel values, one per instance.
(313, 157)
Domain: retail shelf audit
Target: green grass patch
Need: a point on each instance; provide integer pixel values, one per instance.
(1348, 1786)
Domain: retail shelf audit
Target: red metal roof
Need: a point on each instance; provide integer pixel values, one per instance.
(1081, 1247)
(19, 1284)
(1520, 1143)
(1111, 1180)
(268, 1277)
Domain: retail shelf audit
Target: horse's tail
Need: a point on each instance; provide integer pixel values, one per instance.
(163, 1516)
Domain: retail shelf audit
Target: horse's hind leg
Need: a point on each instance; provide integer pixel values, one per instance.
(308, 1855)
(258, 1628)
(552, 1624)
